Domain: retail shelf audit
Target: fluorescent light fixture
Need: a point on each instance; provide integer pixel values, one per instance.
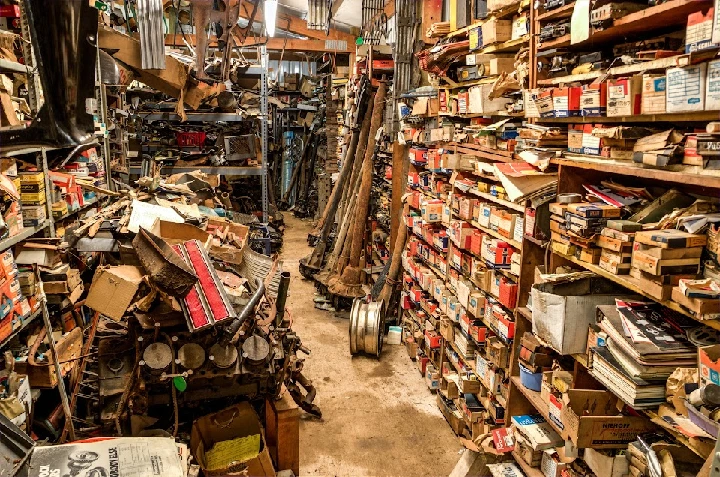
(270, 16)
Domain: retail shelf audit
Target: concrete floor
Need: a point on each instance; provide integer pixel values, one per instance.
(379, 418)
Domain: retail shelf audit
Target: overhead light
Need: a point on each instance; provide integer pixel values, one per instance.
(270, 16)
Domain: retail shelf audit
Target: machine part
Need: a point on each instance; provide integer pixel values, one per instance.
(204, 13)
(67, 79)
(255, 351)
(281, 299)
(223, 356)
(167, 270)
(157, 356)
(304, 401)
(152, 38)
(191, 356)
(367, 324)
(238, 148)
(348, 285)
(15, 446)
(231, 331)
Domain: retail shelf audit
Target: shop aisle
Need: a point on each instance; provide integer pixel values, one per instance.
(379, 418)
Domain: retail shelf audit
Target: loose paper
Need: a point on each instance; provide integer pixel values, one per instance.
(580, 22)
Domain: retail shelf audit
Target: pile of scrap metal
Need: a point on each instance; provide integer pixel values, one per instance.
(180, 319)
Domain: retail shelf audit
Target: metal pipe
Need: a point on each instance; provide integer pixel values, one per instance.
(234, 327)
(281, 298)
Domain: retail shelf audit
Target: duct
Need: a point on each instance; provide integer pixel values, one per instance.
(152, 36)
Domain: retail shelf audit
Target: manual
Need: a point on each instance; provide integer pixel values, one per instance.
(536, 431)
(117, 457)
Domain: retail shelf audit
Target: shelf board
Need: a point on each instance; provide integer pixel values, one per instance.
(193, 117)
(681, 174)
(504, 12)
(510, 46)
(13, 67)
(223, 170)
(25, 324)
(512, 242)
(634, 285)
(87, 205)
(525, 467)
(492, 198)
(525, 312)
(668, 14)
(27, 232)
(482, 152)
(537, 402)
(699, 116)
(563, 12)
(662, 63)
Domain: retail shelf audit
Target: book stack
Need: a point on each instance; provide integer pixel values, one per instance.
(616, 241)
(661, 258)
(645, 344)
(532, 436)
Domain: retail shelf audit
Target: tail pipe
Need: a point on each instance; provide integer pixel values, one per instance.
(235, 326)
(281, 298)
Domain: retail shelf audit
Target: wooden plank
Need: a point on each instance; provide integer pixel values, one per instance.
(399, 181)
(431, 13)
(663, 63)
(509, 46)
(700, 116)
(282, 432)
(563, 12)
(671, 13)
(678, 173)
(634, 285)
(290, 44)
(525, 467)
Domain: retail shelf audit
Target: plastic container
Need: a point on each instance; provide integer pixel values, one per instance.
(190, 139)
(530, 380)
(394, 335)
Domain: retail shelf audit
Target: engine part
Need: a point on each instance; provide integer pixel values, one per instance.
(223, 356)
(191, 356)
(157, 356)
(255, 351)
(367, 325)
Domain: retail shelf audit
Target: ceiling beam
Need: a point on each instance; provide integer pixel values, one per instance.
(290, 44)
(297, 25)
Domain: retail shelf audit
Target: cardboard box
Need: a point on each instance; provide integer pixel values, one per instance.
(700, 307)
(698, 34)
(594, 210)
(670, 238)
(686, 88)
(606, 463)
(709, 364)
(712, 86)
(624, 96)
(593, 100)
(562, 312)
(113, 290)
(566, 101)
(500, 65)
(653, 94)
(239, 420)
(586, 423)
(480, 103)
(496, 31)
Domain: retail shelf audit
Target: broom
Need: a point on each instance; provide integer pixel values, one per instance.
(348, 285)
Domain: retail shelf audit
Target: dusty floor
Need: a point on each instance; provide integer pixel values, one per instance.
(379, 418)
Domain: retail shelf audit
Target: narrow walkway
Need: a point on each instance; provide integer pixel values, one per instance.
(379, 418)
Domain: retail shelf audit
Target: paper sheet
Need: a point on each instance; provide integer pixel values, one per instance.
(225, 453)
(580, 22)
(144, 215)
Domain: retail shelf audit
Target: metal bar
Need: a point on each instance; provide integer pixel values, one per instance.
(264, 136)
(58, 370)
(48, 187)
(103, 112)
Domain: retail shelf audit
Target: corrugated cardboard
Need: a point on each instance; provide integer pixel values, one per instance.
(712, 86)
(586, 424)
(606, 464)
(113, 290)
(562, 312)
(686, 88)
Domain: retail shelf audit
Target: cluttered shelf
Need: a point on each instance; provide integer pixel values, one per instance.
(12, 66)
(557, 13)
(526, 468)
(27, 232)
(492, 198)
(699, 116)
(681, 174)
(536, 401)
(25, 323)
(504, 12)
(223, 170)
(671, 13)
(88, 204)
(636, 286)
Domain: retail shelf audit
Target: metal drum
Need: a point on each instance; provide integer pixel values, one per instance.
(367, 324)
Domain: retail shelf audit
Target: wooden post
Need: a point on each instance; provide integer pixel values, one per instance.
(399, 179)
(282, 432)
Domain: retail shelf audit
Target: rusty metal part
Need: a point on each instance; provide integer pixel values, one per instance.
(255, 351)
(167, 270)
(282, 299)
(348, 284)
(223, 356)
(203, 14)
(191, 356)
(304, 401)
(157, 356)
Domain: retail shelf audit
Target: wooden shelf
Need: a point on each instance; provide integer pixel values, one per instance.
(488, 231)
(672, 13)
(634, 285)
(492, 198)
(663, 63)
(537, 402)
(699, 116)
(527, 470)
(26, 232)
(504, 12)
(681, 174)
(563, 12)
(510, 46)
(482, 152)
(24, 325)
(525, 312)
